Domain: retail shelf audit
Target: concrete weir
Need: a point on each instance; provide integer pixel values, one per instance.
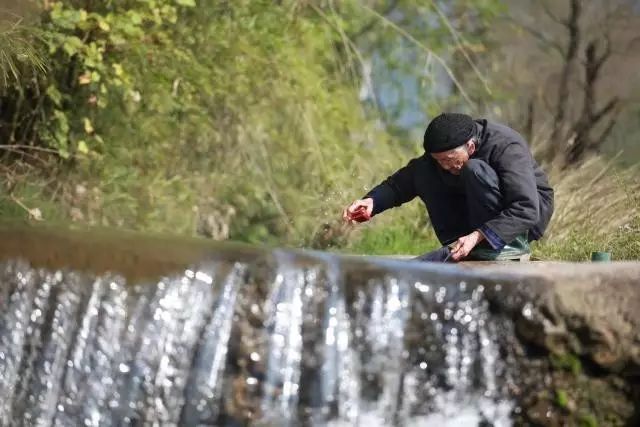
(114, 328)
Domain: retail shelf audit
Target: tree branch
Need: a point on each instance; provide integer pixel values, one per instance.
(606, 109)
(563, 87)
(605, 55)
(605, 133)
(369, 25)
(545, 7)
(459, 41)
(34, 213)
(574, 16)
(421, 45)
(349, 44)
(14, 147)
(539, 35)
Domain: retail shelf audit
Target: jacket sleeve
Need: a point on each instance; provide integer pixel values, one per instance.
(520, 196)
(397, 189)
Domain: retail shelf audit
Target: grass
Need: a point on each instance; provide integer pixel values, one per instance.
(394, 239)
(403, 231)
(597, 209)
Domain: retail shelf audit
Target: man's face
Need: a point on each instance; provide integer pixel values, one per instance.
(454, 160)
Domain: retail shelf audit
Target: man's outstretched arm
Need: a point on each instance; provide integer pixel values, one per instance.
(397, 189)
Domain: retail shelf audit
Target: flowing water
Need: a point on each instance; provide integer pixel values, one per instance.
(284, 339)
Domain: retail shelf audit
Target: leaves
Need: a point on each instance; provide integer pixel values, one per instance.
(88, 127)
(118, 70)
(84, 78)
(54, 95)
(93, 47)
(104, 25)
(82, 147)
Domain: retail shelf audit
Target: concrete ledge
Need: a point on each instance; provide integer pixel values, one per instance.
(591, 309)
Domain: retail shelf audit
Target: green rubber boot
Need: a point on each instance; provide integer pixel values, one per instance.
(518, 250)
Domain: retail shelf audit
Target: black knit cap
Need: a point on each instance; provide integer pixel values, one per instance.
(448, 131)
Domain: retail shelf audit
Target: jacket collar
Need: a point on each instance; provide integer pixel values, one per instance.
(482, 132)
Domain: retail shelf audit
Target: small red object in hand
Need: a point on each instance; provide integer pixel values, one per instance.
(360, 214)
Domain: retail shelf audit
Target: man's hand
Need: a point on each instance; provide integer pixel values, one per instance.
(359, 211)
(464, 244)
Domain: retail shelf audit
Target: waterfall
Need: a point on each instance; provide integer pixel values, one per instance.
(281, 339)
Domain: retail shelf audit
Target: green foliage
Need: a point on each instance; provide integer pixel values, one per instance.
(587, 420)
(562, 399)
(88, 49)
(84, 49)
(166, 115)
(566, 361)
(402, 232)
(32, 200)
(258, 122)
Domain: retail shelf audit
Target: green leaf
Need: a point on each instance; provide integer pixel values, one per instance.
(54, 95)
(588, 420)
(61, 17)
(104, 25)
(135, 17)
(88, 127)
(562, 399)
(117, 39)
(117, 69)
(62, 121)
(82, 147)
(187, 3)
(72, 45)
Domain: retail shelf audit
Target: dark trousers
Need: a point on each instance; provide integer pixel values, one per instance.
(457, 205)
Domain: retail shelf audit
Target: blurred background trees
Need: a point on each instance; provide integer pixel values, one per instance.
(578, 76)
(257, 120)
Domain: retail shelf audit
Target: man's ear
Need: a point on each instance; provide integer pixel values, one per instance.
(471, 147)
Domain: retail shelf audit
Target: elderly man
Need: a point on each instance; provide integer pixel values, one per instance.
(486, 196)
